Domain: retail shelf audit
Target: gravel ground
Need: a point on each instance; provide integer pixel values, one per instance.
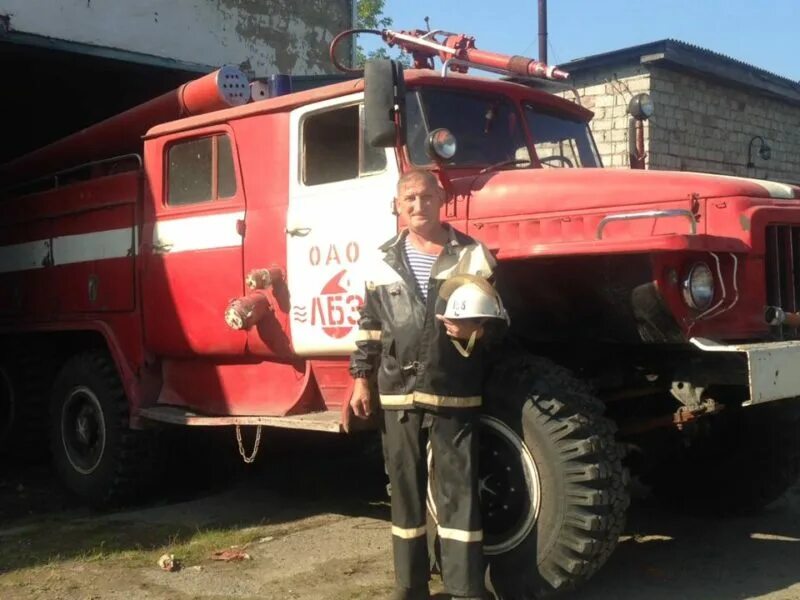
(316, 528)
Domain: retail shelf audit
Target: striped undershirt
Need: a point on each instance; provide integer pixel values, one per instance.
(420, 264)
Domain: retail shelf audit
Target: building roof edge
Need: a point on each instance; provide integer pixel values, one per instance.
(688, 57)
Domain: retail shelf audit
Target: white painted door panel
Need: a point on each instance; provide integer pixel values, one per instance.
(333, 231)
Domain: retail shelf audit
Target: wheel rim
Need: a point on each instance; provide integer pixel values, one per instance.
(6, 404)
(509, 487)
(83, 430)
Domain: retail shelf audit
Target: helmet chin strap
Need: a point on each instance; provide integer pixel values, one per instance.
(465, 352)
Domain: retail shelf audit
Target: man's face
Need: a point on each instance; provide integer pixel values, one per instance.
(419, 201)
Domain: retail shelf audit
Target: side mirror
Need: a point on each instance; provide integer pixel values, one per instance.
(384, 103)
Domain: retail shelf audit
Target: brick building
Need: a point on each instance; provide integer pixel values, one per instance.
(708, 109)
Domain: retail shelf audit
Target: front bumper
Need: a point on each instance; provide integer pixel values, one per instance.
(773, 368)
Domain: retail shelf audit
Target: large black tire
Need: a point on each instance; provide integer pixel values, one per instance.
(551, 525)
(95, 453)
(748, 458)
(24, 383)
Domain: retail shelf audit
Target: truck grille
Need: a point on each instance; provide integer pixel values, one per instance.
(782, 263)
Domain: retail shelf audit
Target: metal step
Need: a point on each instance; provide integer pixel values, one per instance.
(328, 420)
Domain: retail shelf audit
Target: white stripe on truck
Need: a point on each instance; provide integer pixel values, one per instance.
(83, 247)
(207, 232)
(24, 257)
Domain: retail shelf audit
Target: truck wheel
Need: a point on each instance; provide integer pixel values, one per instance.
(553, 489)
(95, 453)
(748, 459)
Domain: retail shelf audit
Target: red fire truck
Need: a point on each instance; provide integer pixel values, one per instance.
(198, 260)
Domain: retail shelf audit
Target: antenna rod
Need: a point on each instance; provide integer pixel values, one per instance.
(543, 30)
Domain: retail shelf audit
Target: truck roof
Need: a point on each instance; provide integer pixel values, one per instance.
(413, 77)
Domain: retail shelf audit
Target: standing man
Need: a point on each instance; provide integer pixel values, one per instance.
(430, 392)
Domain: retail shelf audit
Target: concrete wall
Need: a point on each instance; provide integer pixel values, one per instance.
(699, 124)
(261, 36)
(703, 125)
(607, 94)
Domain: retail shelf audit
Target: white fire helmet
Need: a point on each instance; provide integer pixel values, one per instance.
(471, 297)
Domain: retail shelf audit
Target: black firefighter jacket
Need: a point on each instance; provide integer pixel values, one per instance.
(400, 337)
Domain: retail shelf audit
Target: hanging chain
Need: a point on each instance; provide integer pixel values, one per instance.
(252, 457)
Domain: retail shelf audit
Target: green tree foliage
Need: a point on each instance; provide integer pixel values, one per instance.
(369, 15)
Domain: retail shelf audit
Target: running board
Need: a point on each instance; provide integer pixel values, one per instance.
(328, 420)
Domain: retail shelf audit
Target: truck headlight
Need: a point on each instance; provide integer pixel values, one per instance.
(698, 287)
(441, 144)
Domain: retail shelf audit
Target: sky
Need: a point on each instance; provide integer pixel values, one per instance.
(763, 33)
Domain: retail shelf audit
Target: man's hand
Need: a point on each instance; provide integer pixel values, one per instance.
(462, 329)
(361, 401)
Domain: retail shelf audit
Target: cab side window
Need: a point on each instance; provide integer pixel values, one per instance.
(333, 148)
(200, 170)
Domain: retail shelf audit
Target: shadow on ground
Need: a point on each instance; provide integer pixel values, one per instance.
(206, 489)
(297, 476)
(667, 556)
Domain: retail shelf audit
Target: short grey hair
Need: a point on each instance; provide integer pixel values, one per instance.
(415, 174)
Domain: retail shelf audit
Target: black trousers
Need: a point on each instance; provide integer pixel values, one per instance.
(452, 440)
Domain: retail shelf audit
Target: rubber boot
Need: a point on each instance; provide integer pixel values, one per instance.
(415, 593)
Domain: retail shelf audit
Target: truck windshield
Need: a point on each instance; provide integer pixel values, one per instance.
(561, 142)
(488, 129)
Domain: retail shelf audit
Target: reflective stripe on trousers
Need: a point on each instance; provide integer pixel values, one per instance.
(454, 445)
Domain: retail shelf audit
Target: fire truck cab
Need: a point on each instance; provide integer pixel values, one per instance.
(210, 274)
